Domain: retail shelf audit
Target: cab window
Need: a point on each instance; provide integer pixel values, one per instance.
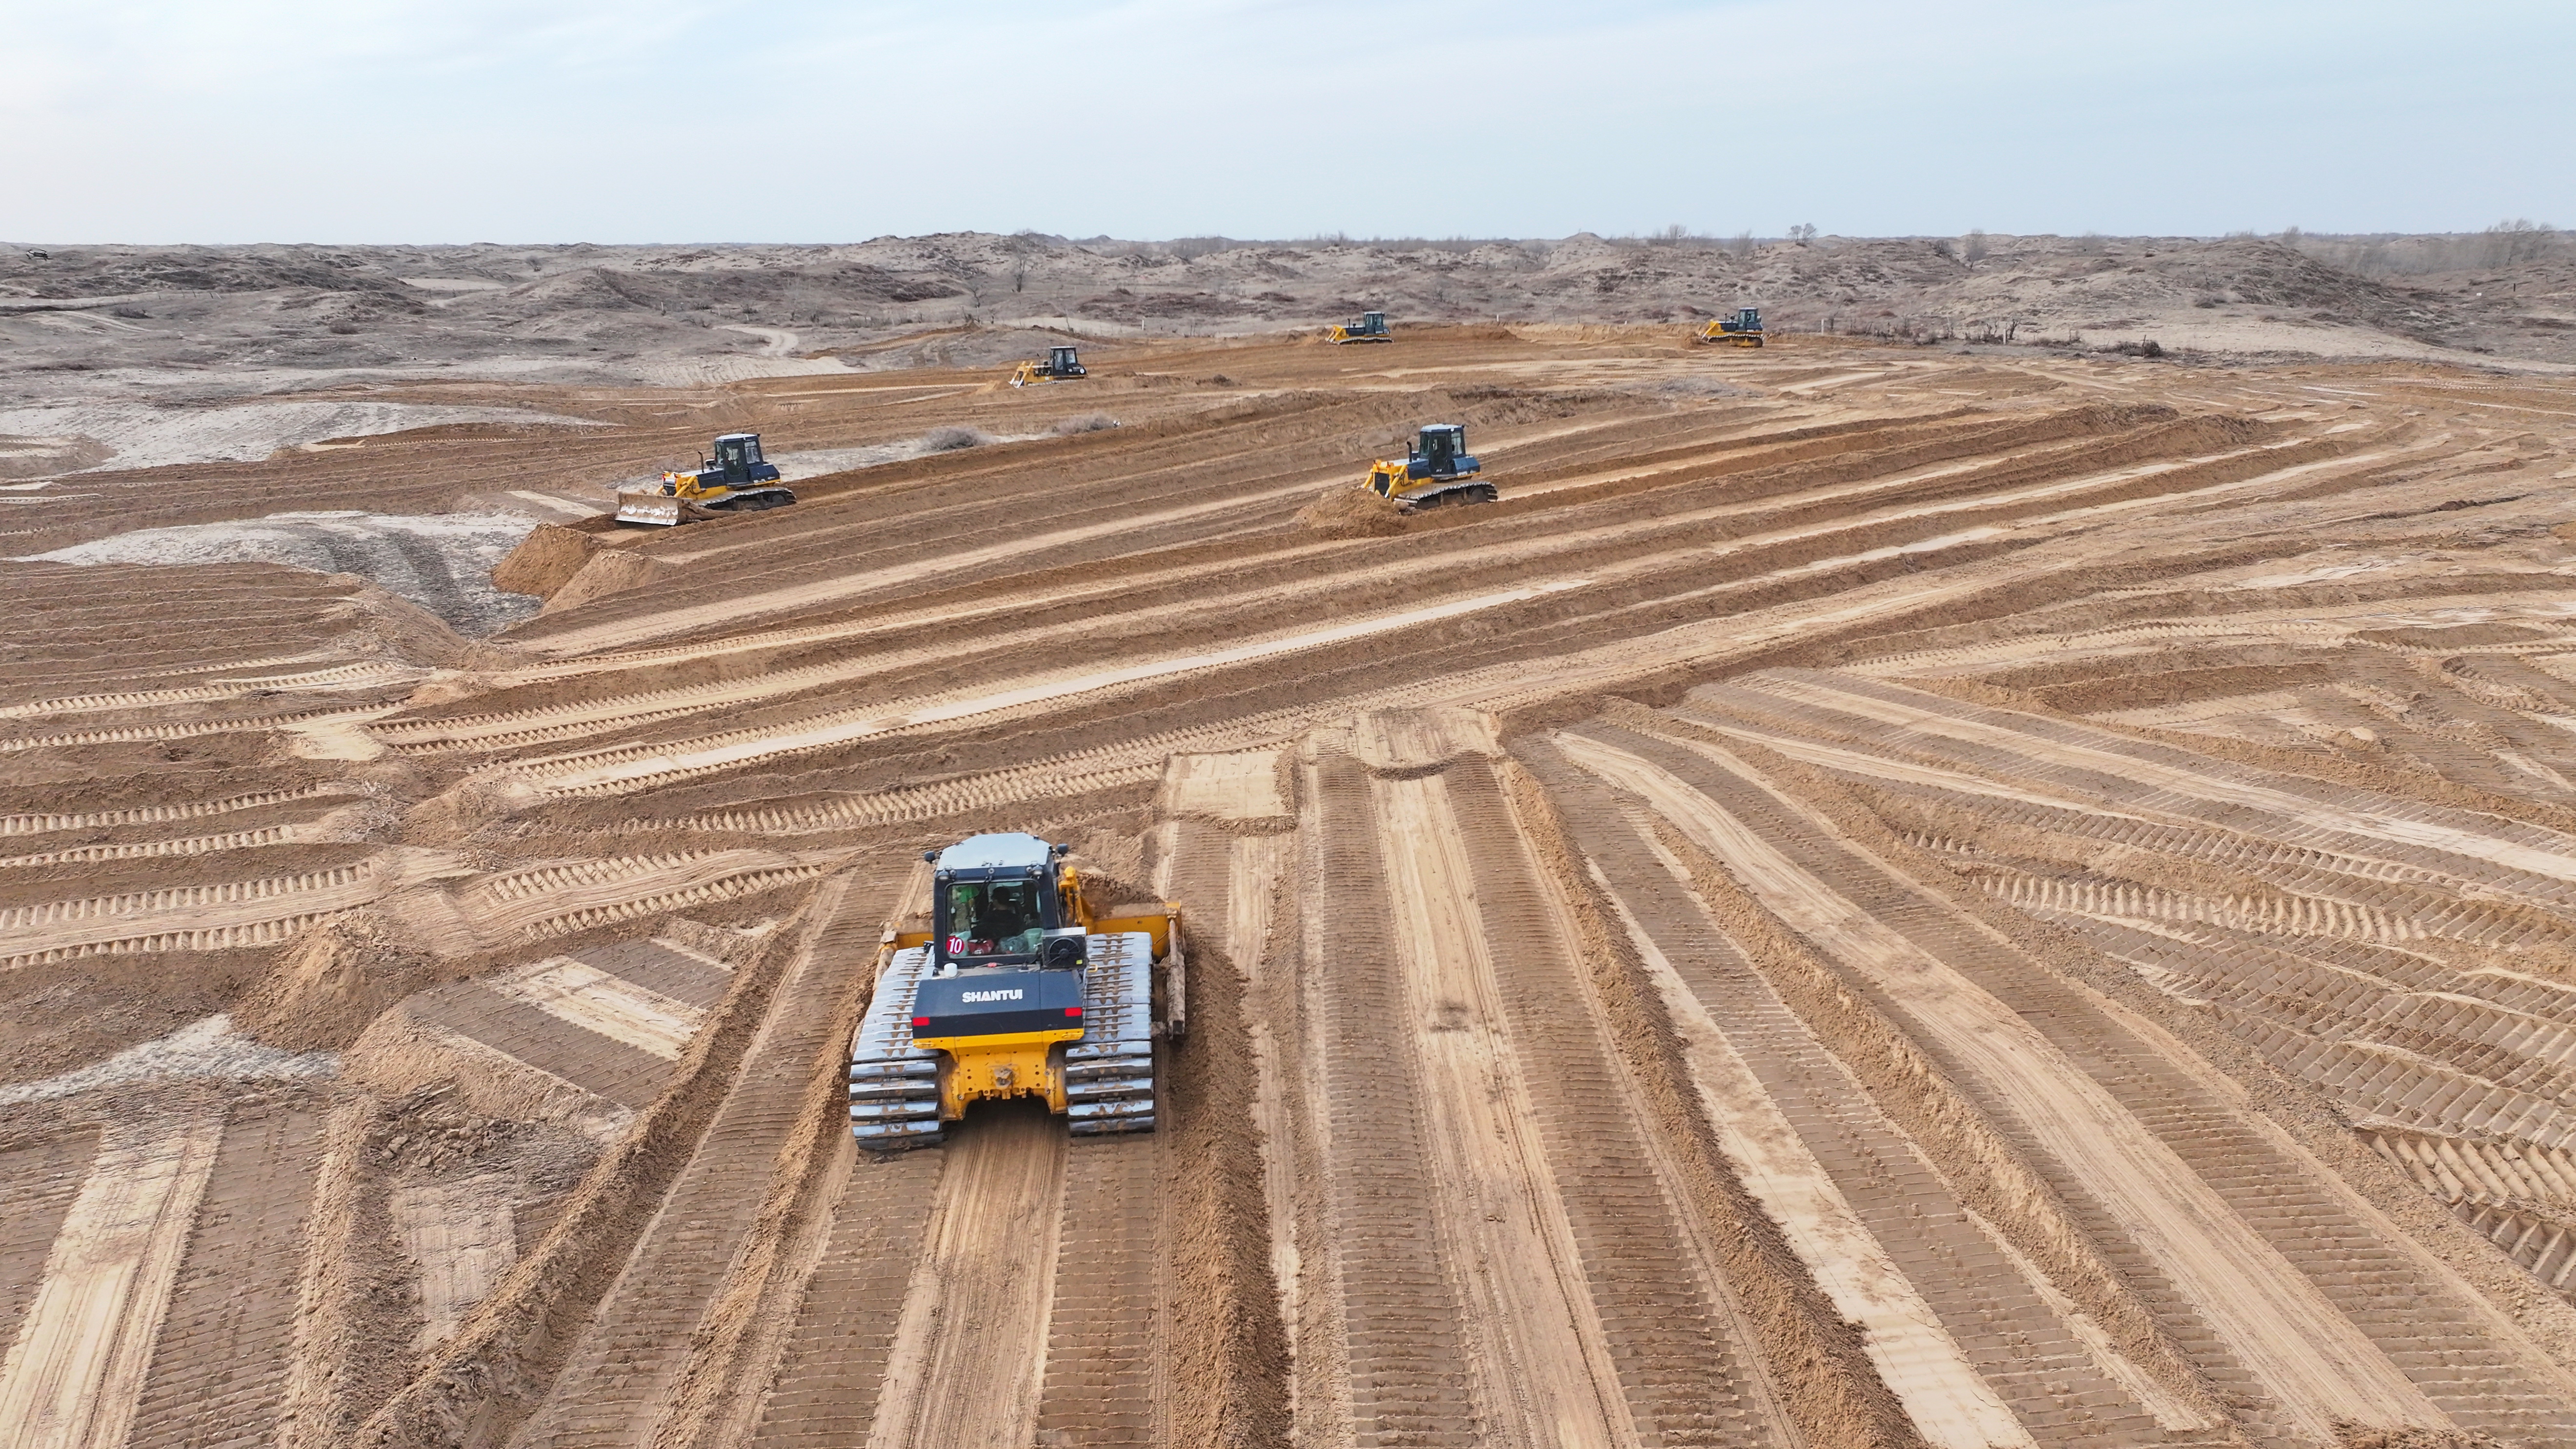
(994, 918)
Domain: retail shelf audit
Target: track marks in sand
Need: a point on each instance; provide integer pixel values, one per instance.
(969, 1352)
(831, 1374)
(1950, 1404)
(2313, 1360)
(610, 1005)
(76, 1371)
(1391, 1312)
(607, 772)
(227, 1343)
(1678, 1348)
(464, 1236)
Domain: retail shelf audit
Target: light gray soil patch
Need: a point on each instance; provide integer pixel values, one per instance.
(142, 436)
(442, 562)
(202, 1050)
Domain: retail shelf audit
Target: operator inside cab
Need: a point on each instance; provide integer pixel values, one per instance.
(994, 918)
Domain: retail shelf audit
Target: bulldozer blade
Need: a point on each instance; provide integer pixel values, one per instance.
(654, 510)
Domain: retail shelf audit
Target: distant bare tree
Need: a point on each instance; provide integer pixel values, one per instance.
(2518, 240)
(1673, 233)
(1742, 245)
(1972, 247)
(1803, 233)
(1018, 245)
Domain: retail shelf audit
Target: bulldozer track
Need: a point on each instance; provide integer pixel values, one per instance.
(156, 814)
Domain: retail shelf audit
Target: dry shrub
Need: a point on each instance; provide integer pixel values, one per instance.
(951, 439)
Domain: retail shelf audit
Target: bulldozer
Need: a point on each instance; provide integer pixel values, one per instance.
(1018, 986)
(1062, 364)
(737, 481)
(1437, 473)
(1744, 329)
(1370, 328)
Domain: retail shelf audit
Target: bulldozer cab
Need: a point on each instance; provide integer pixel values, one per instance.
(1746, 319)
(996, 900)
(1064, 361)
(1372, 324)
(736, 455)
(1441, 448)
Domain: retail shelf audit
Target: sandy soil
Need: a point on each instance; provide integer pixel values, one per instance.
(1884, 894)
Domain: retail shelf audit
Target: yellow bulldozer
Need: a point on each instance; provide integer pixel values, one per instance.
(1018, 987)
(1438, 473)
(1061, 364)
(738, 480)
(1744, 329)
(1370, 328)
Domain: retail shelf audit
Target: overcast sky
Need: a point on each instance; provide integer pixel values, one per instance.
(832, 120)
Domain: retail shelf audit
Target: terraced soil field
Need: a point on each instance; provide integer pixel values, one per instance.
(1879, 897)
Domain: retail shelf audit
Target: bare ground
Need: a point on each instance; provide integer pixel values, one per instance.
(1880, 896)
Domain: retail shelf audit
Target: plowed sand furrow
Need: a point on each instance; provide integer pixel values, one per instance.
(44, 1177)
(832, 1375)
(1684, 1361)
(614, 1385)
(2457, 1351)
(346, 676)
(2294, 916)
(463, 1237)
(1105, 1331)
(77, 1369)
(2501, 854)
(1636, 546)
(1402, 1316)
(1543, 1355)
(2315, 1361)
(191, 918)
(155, 814)
(220, 1367)
(969, 1352)
(603, 1067)
(593, 999)
(557, 900)
(631, 768)
(132, 734)
(151, 849)
(1954, 1320)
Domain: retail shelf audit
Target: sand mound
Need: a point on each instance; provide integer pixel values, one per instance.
(544, 561)
(1345, 512)
(607, 571)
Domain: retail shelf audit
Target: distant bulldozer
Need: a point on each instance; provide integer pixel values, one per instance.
(1370, 328)
(737, 481)
(1061, 364)
(1744, 329)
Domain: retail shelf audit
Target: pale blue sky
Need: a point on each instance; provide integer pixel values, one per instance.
(799, 120)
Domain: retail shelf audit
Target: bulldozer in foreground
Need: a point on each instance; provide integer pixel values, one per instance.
(1020, 987)
(737, 481)
(1744, 329)
(1062, 364)
(1370, 328)
(1438, 473)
